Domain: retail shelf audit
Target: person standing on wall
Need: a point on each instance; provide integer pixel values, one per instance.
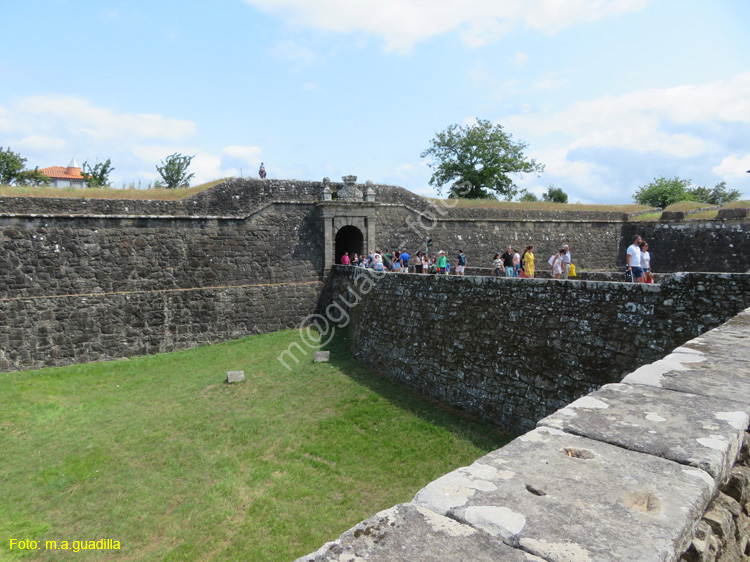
(460, 263)
(566, 262)
(262, 171)
(633, 257)
(507, 258)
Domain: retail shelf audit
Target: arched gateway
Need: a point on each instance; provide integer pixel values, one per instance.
(350, 239)
(348, 220)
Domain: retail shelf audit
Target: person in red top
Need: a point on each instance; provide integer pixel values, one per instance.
(345, 259)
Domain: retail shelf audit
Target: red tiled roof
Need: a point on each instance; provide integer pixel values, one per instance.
(60, 173)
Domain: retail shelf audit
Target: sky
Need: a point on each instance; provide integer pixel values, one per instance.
(607, 94)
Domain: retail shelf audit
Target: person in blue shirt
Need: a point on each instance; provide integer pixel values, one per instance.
(405, 260)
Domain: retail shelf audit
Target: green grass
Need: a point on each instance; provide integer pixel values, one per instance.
(536, 205)
(159, 454)
(160, 194)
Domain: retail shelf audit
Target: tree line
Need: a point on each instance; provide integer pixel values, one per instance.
(173, 171)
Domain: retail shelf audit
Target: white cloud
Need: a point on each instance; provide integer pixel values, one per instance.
(641, 121)
(733, 167)
(680, 130)
(50, 130)
(403, 23)
(78, 116)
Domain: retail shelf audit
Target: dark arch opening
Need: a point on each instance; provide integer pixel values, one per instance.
(348, 239)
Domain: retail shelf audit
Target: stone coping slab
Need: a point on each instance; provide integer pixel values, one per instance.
(409, 533)
(568, 498)
(690, 429)
(689, 370)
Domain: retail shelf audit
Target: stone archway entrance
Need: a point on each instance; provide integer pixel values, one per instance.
(348, 239)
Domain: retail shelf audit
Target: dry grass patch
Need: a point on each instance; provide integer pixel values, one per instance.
(159, 194)
(535, 205)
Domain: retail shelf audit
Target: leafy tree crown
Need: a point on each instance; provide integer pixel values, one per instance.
(173, 171)
(477, 161)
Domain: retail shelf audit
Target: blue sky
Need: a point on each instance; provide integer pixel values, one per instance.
(608, 94)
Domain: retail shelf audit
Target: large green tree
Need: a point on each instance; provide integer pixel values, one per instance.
(98, 176)
(477, 161)
(174, 171)
(12, 170)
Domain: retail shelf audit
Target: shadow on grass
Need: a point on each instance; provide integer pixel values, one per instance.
(480, 433)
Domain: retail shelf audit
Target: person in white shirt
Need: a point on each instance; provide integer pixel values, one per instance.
(646, 263)
(566, 262)
(633, 258)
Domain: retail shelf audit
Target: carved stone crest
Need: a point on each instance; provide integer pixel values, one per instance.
(350, 191)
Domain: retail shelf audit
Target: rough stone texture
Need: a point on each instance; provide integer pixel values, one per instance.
(564, 498)
(516, 350)
(75, 289)
(690, 429)
(235, 376)
(409, 533)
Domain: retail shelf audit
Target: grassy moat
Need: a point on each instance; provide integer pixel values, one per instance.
(159, 454)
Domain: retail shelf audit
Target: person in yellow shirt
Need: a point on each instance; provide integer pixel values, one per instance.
(527, 261)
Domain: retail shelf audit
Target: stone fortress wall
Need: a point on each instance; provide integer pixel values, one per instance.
(87, 280)
(92, 280)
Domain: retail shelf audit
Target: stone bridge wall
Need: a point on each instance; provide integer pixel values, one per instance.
(516, 350)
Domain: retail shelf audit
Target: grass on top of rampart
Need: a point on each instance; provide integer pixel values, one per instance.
(161, 455)
(153, 194)
(537, 205)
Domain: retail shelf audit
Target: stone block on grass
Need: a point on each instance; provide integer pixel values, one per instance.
(322, 357)
(235, 376)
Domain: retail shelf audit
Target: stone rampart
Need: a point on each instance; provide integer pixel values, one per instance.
(248, 232)
(78, 287)
(516, 350)
(654, 468)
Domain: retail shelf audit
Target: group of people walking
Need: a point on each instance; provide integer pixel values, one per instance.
(399, 262)
(515, 264)
(510, 263)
